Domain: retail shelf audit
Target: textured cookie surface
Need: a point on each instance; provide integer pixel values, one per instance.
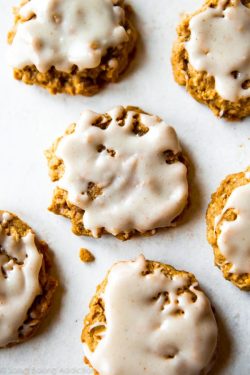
(26, 286)
(148, 318)
(211, 57)
(228, 221)
(121, 173)
(71, 46)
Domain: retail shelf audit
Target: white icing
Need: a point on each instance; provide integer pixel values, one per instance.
(145, 335)
(219, 45)
(66, 33)
(5, 217)
(139, 189)
(247, 174)
(234, 239)
(20, 264)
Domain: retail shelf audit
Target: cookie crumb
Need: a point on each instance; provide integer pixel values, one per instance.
(86, 256)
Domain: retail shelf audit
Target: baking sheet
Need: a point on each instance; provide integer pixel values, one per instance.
(30, 119)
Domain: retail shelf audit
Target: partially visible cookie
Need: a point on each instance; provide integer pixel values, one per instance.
(148, 318)
(211, 57)
(228, 223)
(26, 285)
(71, 46)
(121, 173)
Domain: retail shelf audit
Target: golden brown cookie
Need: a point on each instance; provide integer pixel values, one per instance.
(173, 316)
(27, 286)
(61, 67)
(116, 183)
(227, 223)
(225, 92)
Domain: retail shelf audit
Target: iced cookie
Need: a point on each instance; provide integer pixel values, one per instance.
(71, 46)
(228, 223)
(26, 286)
(212, 57)
(121, 173)
(148, 318)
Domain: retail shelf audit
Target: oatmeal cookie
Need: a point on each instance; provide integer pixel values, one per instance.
(121, 173)
(147, 317)
(71, 46)
(26, 284)
(211, 57)
(228, 221)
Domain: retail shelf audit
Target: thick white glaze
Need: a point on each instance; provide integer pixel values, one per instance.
(5, 217)
(145, 334)
(234, 239)
(20, 264)
(139, 189)
(64, 33)
(219, 45)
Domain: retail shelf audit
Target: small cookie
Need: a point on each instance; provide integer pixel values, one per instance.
(212, 57)
(120, 173)
(228, 223)
(26, 286)
(148, 318)
(71, 46)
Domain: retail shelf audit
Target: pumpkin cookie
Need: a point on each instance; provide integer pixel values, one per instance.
(120, 173)
(148, 318)
(71, 46)
(211, 57)
(228, 222)
(26, 286)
